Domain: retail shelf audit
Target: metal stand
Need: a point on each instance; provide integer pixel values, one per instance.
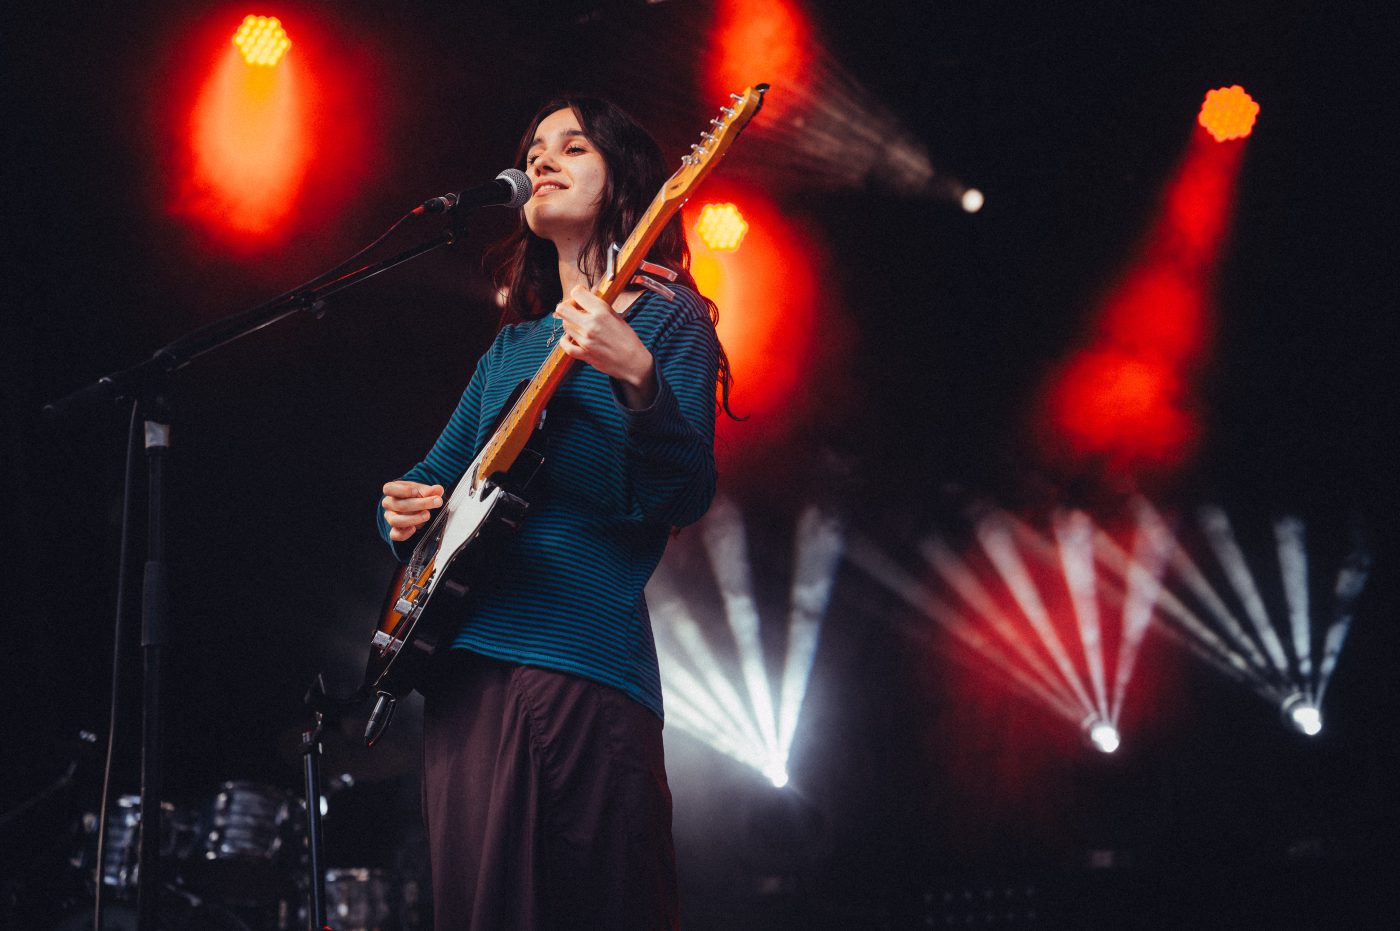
(311, 770)
(148, 382)
(155, 598)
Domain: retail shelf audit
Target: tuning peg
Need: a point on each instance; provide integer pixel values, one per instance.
(736, 97)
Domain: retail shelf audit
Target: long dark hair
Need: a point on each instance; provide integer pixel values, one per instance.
(527, 266)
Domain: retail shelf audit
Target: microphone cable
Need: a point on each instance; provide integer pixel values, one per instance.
(123, 571)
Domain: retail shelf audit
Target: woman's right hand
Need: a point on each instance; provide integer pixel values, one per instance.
(407, 505)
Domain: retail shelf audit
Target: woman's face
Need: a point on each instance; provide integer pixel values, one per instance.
(568, 175)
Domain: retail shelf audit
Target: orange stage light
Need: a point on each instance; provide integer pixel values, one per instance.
(1228, 113)
(768, 298)
(251, 141)
(262, 40)
(721, 227)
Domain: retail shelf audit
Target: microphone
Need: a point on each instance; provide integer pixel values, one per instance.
(510, 188)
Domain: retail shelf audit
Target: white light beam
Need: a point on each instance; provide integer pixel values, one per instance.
(1351, 579)
(1151, 550)
(1293, 564)
(681, 627)
(1074, 532)
(820, 540)
(1216, 524)
(963, 580)
(997, 542)
(725, 541)
(884, 570)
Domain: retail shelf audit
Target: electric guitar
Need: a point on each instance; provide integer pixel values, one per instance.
(456, 548)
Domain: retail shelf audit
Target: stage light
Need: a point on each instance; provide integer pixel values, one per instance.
(1228, 113)
(1302, 713)
(769, 309)
(721, 227)
(1252, 651)
(1014, 609)
(742, 719)
(262, 40)
(972, 200)
(1127, 401)
(821, 127)
(1103, 736)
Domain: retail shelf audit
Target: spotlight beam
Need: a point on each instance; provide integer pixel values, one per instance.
(967, 633)
(884, 570)
(1141, 576)
(964, 582)
(687, 717)
(1351, 579)
(1195, 580)
(820, 540)
(1074, 533)
(1188, 625)
(1221, 535)
(996, 539)
(725, 541)
(1293, 564)
(685, 632)
(1151, 550)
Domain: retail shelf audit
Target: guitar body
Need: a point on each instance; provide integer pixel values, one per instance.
(429, 594)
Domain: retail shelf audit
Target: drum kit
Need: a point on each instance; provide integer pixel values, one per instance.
(236, 861)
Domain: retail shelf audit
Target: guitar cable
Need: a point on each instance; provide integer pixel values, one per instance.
(123, 570)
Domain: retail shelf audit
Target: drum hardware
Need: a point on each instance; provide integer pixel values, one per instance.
(360, 899)
(250, 840)
(121, 860)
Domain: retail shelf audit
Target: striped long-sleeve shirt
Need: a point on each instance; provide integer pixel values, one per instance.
(567, 594)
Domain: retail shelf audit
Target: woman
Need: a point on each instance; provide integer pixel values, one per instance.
(545, 788)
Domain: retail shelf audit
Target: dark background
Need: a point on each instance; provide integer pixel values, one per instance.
(914, 780)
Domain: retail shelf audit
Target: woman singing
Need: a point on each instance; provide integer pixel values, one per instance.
(544, 782)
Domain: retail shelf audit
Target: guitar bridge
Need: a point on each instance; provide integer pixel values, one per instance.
(385, 642)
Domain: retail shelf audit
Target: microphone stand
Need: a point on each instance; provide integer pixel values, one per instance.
(149, 384)
(325, 709)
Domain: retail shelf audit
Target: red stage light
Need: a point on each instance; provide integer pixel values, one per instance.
(1228, 113)
(1126, 400)
(262, 40)
(721, 227)
(1122, 409)
(768, 41)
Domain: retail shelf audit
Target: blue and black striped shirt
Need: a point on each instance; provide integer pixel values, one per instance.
(567, 594)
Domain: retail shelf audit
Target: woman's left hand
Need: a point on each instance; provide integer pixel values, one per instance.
(597, 334)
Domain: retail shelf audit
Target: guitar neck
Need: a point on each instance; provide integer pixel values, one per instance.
(515, 428)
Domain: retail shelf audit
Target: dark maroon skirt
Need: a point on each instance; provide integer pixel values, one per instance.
(546, 802)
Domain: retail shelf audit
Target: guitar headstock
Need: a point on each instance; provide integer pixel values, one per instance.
(713, 143)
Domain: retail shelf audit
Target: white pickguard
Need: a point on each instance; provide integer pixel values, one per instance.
(467, 509)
